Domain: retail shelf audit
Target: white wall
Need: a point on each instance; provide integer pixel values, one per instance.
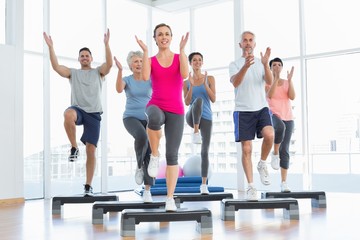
(11, 162)
(11, 99)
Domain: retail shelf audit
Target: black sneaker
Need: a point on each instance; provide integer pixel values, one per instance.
(74, 153)
(88, 190)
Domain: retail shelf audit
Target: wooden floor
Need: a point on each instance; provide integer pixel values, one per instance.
(33, 220)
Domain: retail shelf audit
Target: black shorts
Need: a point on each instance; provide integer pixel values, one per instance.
(247, 124)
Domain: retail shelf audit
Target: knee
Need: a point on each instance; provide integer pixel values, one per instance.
(70, 115)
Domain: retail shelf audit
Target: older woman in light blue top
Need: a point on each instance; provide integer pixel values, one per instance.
(138, 93)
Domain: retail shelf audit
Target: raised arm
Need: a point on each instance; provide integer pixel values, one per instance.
(210, 87)
(184, 67)
(106, 66)
(265, 61)
(120, 84)
(146, 63)
(291, 91)
(60, 69)
(238, 77)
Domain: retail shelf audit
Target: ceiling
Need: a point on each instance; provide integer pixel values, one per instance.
(175, 5)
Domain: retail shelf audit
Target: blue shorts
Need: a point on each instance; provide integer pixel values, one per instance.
(91, 123)
(247, 124)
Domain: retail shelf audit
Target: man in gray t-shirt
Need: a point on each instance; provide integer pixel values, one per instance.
(86, 108)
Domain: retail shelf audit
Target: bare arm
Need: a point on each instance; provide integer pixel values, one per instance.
(60, 69)
(237, 78)
(291, 91)
(120, 84)
(106, 66)
(184, 67)
(210, 87)
(146, 63)
(188, 92)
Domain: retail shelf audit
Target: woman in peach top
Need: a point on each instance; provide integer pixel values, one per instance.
(279, 95)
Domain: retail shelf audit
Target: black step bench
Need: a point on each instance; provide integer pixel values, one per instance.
(102, 207)
(180, 198)
(58, 202)
(131, 217)
(318, 199)
(230, 206)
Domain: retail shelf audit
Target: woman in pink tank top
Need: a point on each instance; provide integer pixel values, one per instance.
(167, 72)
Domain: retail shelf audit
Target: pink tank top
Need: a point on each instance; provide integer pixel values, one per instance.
(280, 104)
(167, 86)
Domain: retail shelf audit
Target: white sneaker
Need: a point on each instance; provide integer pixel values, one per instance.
(153, 167)
(147, 198)
(251, 194)
(284, 187)
(275, 161)
(204, 189)
(196, 138)
(264, 174)
(170, 205)
(139, 176)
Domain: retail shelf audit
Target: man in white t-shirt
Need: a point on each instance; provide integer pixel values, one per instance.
(249, 75)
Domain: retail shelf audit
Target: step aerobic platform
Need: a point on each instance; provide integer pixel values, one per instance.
(131, 217)
(59, 201)
(230, 206)
(318, 199)
(101, 208)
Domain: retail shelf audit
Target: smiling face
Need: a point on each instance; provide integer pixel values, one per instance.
(163, 36)
(196, 62)
(136, 64)
(85, 59)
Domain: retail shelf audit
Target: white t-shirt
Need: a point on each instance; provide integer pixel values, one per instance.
(250, 94)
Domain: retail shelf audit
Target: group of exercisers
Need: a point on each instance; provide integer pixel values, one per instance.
(155, 95)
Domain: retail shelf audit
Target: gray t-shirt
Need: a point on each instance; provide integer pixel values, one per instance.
(250, 94)
(86, 86)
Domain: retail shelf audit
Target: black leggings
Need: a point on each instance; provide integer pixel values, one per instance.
(174, 127)
(137, 128)
(193, 116)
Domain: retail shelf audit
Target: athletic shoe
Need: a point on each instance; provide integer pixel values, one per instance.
(264, 174)
(88, 190)
(284, 187)
(204, 189)
(251, 194)
(170, 205)
(153, 167)
(147, 198)
(139, 176)
(196, 138)
(275, 161)
(74, 153)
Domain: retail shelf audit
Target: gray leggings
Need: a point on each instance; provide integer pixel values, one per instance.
(193, 116)
(283, 132)
(174, 127)
(137, 128)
